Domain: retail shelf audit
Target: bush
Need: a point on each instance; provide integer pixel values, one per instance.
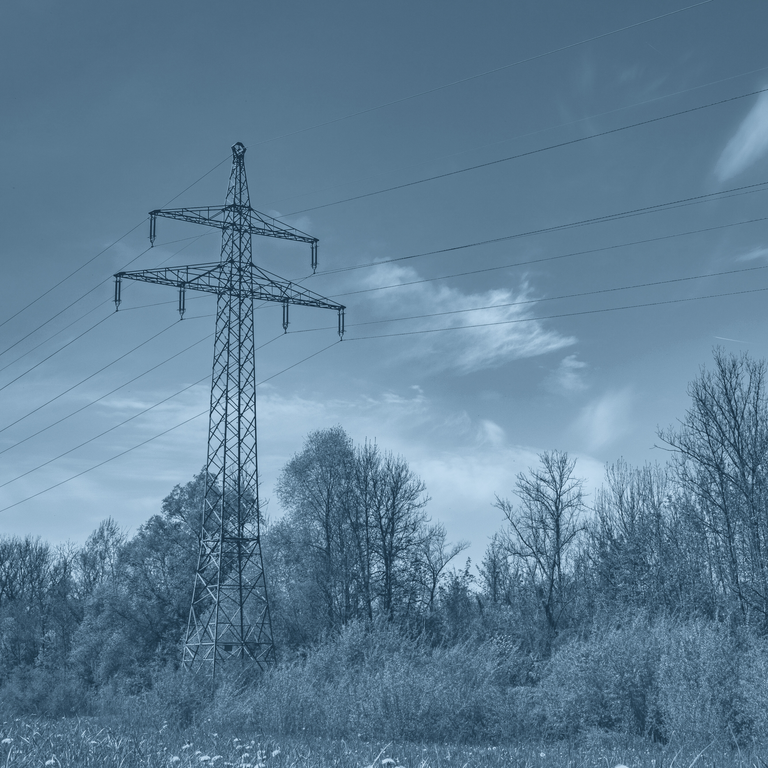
(607, 682)
(699, 684)
(373, 682)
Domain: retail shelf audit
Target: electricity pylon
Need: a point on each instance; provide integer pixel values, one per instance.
(229, 617)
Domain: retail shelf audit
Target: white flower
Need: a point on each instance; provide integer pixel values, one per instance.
(275, 752)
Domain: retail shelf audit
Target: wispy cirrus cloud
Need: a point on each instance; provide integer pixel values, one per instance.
(605, 419)
(755, 253)
(568, 378)
(463, 331)
(748, 144)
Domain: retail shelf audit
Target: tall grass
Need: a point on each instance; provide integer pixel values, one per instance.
(662, 682)
(665, 681)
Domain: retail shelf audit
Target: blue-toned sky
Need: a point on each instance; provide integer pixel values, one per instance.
(580, 338)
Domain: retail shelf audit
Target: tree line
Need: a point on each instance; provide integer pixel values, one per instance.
(355, 545)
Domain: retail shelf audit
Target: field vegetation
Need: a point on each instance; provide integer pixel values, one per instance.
(629, 628)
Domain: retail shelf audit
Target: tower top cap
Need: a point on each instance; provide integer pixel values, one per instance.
(238, 150)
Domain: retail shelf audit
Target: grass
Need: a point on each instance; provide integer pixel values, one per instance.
(98, 742)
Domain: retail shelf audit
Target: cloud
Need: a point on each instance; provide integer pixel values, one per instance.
(500, 327)
(755, 253)
(605, 419)
(568, 378)
(748, 144)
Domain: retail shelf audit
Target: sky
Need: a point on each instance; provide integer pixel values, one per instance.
(542, 217)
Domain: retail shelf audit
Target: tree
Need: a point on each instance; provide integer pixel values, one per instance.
(630, 538)
(399, 522)
(315, 488)
(720, 458)
(96, 562)
(542, 531)
(436, 553)
(353, 539)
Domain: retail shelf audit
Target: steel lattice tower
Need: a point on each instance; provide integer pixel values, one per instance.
(229, 617)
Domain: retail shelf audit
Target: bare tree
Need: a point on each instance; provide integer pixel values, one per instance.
(436, 553)
(630, 547)
(721, 461)
(399, 521)
(543, 528)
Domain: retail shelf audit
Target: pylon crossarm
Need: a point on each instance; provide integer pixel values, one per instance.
(255, 283)
(252, 221)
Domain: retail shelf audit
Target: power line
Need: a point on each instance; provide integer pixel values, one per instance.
(56, 352)
(86, 331)
(101, 434)
(528, 134)
(564, 314)
(530, 261)
(562, 297)
(581, 294)
(148, 440)
(517, 63)
(90, 311)
(87, 378)
(125, 421)
(71, 274)
(102, 397)
(748, 189)
(507, 159)
(380, 336)
(103, 251)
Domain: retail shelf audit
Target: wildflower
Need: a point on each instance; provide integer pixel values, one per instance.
(275, 752)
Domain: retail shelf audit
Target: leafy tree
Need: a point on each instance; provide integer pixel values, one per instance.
(315, 488)
(355, 534)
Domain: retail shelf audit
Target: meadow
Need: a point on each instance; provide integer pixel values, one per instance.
(97, 742)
